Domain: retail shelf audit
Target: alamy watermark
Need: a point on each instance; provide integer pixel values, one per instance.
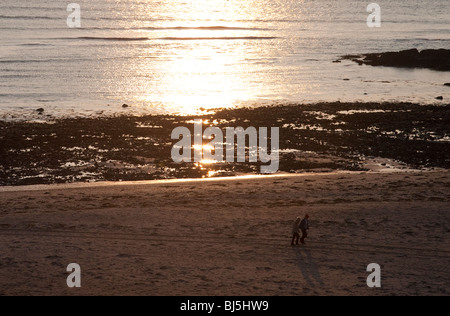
(219, 149)
(374, 278)
(374, 18)
(74, 18)
(74, 278)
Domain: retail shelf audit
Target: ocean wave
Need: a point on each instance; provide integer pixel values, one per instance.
(15, 61)
(17, 76)
(125, 39)
(206, 28)
(94, 38)
(35, 44)
(227, 38)
(28, 17)
(121, 28)
(54, 60)
(422, 39)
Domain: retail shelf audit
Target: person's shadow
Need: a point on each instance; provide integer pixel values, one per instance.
(307, 266)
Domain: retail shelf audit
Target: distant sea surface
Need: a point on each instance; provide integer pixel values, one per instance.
(182, 56)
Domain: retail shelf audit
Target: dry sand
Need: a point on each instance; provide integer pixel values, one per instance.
(230, 236)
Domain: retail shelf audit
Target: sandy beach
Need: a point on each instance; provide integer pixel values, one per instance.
(166, 148)
(229, 236)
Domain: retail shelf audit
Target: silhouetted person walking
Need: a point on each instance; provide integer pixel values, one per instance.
(295, 231)
(304, 226)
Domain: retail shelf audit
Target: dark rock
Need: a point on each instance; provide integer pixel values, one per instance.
(396, 59)
(436, 59)
(346, 79)
(125, 105)
(447, 84)
(351, 56)
(40, 110)
(440, 98)
(336, 61)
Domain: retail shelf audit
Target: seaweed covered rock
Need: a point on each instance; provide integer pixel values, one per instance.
(436, 59)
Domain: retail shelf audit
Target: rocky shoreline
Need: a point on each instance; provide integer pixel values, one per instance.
(320, 137)
(436, 59)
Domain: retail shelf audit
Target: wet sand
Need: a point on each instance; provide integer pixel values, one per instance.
(230, 236)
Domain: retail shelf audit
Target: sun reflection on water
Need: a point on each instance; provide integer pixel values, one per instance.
(203, 78)
(204, 69)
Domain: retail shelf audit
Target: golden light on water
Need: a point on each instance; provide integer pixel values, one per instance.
(211, 173)
(205, 68)
(211, 11)
(203, 78)
(208, 162)
(204, 148)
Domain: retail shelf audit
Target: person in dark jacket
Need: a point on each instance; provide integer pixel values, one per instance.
(296, 231)
(304, 226)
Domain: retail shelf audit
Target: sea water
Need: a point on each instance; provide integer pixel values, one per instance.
(187, 56)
